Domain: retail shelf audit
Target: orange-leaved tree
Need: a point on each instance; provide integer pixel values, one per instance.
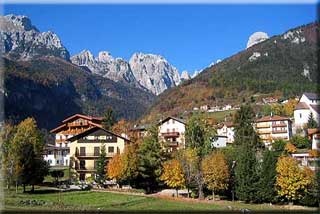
(215, 172)
(292, 181)
(173, 175)
(115, 168)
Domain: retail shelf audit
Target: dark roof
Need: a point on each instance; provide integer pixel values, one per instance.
(316, 108)
(312, 96)
(85, 133)
(301, 105)
(174, 118)
(82, 116)
(140, 127)
(271, 118)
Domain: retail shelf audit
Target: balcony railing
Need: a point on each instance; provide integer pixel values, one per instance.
(92, 155)
(279, 131)
(170, 134)
(279, 125)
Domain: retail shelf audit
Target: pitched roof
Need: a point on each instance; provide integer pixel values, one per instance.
(313, 131)
(272, 118)
(316, 108)
(301, 105)
(174, 118)
(82, 134)
(312, 96)
(81, 116)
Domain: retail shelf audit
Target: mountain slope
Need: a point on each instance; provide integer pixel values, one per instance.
(50, 89)
(284, 64)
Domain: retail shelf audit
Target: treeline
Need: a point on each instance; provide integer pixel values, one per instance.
(22, 150)
(245, 171)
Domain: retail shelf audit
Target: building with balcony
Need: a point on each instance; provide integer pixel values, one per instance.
(271, 128)
(85, 149)
(226, 129)
(58, 154)
(171, 131)
(308, 103)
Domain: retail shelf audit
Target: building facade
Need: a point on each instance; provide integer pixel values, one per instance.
(271, 128)
(308, 103)
(58, 154)
(172, 130)
(85, 149)
(226, 129)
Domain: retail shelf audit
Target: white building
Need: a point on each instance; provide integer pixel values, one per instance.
(308, 103)
(172, 130)
(271, 128)
(314, 136)
(219, 142)
(226, 129)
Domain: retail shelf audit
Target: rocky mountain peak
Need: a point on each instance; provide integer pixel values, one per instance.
(23, 41)
(185, 76)
(105, 56)
(256, 38)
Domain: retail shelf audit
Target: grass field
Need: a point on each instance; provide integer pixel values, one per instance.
(94, 201)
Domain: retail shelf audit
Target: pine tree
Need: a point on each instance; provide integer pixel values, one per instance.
(101, 164)
(247, 142)
(108, 119)
(311, 122)
(149, 160)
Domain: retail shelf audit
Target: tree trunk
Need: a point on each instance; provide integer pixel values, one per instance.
(16, 186)
(24, 188)
(200, 186)
(213, 195)
(177, 193)
(188, 192)
(32, 189)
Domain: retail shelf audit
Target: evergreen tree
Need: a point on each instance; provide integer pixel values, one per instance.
(311, 122)
(149, 160)
(267, 178)
(108, 119)
(101, 164)
(247, 142)
(198, 137)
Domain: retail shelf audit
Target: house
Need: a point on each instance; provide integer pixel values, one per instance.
(139, 131)
(205, 107)
(85, 149)
(304, 160)
(270, 128)
(226, 129)
(171, 130)
(58, 154)
(308, 103)
(314, 136)
(219, 141)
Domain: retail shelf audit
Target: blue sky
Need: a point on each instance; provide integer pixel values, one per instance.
(189, 36)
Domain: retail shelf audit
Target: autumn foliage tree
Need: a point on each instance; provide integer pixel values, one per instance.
(173, 175)
(215, 172)
(292, 181)
(115, 168)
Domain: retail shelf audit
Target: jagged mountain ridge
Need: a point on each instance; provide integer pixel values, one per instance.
(285, 64)
(149, 71)
(21, 40)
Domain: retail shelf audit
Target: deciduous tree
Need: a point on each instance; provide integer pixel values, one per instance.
(292, 182)
(173, 175)
(115, 168)
(215, 172)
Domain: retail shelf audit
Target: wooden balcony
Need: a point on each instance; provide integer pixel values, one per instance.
(279, 125)
(77, 124)
(170, 134)
(279, 131)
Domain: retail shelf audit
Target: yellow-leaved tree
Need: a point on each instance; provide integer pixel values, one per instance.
(115, 168)
(215, 172)
(290, 148)
(173, 175)
(292, 181)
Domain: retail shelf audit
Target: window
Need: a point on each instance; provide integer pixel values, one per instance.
(110, 149)
(173, 130)
(168, 122)
(49, 161)
(82, 151)
(66, 162)
(172, 121)
(96, 151)
(300, 115)
(57, 161)
(168, 130)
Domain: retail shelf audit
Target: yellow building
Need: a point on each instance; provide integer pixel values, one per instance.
(85, 149)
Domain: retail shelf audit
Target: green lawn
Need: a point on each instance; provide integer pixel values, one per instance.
(89, 200)
(220, 115)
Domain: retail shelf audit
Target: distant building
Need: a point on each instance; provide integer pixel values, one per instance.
(58, 154)
(139, 131)
(314, 136)
(172, 130)
(219, 141)
(308, 103)
(226, 129)
(270, 100)
(85, 149)
(270, 128)
(205, 108)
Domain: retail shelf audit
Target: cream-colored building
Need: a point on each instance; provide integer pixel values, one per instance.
(171, 130)
(270, 128)
(85, 149)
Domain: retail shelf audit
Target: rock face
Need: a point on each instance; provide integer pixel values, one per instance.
(105, 65)
(184, 76)
(21, 40)
(154, 72)
(256, 38)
